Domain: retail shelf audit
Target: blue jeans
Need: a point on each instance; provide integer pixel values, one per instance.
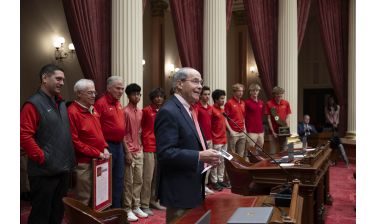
(118, 168)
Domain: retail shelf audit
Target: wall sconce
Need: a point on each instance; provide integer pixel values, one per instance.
(254, 70)
(60, 53)
(143, 62)
(170, 69)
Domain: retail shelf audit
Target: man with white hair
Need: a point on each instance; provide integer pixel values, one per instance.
(181, 148)
(112, 121)
(87, 136)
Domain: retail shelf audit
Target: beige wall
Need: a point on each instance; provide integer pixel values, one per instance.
(147, 48)
(171, 50)
(41, 21)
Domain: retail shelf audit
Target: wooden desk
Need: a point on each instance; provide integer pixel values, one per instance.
(223, 208)
(314, 187)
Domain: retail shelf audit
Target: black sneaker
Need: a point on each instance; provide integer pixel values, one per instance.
(217, 187)
(224, 185)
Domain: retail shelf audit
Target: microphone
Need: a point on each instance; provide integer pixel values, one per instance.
(282, 193)
(258, 147)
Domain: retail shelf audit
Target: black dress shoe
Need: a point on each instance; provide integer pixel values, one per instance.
(217, 187)
(224, 185)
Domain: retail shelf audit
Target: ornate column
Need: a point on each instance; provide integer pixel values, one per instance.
(288, 57)
(215, 44)
(127, 42)
(351, 131)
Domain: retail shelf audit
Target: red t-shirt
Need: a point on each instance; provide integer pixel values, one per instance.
(254, 116)
(86, 132)
(111, 118)
(218, 126)
(204, 119)
(236, 111)
(282, 109)
(148, 135)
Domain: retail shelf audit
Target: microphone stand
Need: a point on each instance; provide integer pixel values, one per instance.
(260, 148)
(283, 195)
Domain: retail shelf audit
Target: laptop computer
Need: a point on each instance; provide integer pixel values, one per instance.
(251, 215)
(205, 219)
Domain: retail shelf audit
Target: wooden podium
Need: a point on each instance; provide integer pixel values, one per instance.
(313, 174)
(223, 208)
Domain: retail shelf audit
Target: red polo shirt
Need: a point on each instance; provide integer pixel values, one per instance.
(86, 132)
(112, 118)
(282, 109)
(254, 116)
(204, 119)
(133, 119)
(236, 111)
(218, 126)
(148, 135)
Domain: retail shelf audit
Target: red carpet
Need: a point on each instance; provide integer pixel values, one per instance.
(342, 190)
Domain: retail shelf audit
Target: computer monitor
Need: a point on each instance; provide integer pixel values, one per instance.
(205, 219)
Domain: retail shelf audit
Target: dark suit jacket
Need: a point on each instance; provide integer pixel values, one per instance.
(301, 129)
(178, 146)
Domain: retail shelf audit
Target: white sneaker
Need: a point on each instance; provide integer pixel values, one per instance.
(208, 191)
(140, 213)
(131, 217)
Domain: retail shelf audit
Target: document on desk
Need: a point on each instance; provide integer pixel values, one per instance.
(251, 215)
(222, 153)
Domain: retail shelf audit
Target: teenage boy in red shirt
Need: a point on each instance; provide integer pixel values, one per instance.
(254, 117)
(204, 119)
(278, 112)
(134, 155)
(235, 109)
(148, 196)
(219, 137)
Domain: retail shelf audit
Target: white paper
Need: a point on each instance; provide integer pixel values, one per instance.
(223, 154)
(206, 168)
(286, 164)
(102, 187)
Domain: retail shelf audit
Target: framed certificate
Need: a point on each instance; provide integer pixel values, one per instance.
(102, 183)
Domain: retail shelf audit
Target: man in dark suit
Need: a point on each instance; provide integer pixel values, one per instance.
(181, 149)
(305, 128)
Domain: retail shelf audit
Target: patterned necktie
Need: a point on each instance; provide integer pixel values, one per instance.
(194, 117)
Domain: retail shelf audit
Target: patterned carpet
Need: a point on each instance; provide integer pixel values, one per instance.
(342, 189)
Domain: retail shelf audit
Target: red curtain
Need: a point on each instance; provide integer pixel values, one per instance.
(303, 15)
(229, 12)
(187, 19)
(334, 25)
(262, 16)
(89, 23)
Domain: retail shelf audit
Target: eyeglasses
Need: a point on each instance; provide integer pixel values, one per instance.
(91, 93)
(195, 81)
